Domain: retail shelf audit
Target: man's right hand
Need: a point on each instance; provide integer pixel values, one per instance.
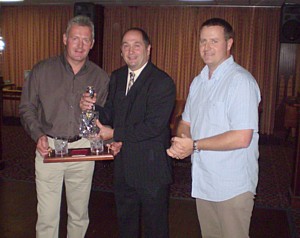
(43, 145)
(115, 147)
(86, 102)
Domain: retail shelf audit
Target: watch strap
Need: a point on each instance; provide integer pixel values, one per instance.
(195, 145)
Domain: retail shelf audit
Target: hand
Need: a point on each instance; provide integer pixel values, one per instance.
(86, 102)
(43, 145)
(181, 147)
(115, 147)
(105, 133)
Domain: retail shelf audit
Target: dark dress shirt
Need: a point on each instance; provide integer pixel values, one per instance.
(51, 95)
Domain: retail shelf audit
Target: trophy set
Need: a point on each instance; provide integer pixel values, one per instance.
(88, 127)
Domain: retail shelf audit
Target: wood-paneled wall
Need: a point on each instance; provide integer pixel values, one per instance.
(287, 60)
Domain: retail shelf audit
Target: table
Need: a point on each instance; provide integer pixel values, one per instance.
(11, 94)
(10, 91)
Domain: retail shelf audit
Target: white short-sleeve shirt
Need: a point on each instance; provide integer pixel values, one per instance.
(227, 101)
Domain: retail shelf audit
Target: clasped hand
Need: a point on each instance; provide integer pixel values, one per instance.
(181, 147)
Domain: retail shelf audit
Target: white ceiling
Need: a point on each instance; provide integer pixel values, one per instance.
(243, 3)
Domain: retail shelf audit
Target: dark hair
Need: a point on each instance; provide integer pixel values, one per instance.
(144, 34)
(228, 31)
(81, 21)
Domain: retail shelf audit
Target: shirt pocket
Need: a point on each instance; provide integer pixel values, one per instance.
(217, 115)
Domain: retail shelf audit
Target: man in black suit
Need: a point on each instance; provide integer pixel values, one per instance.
(139, 118)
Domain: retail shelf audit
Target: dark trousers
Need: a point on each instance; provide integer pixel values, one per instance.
(153, 205)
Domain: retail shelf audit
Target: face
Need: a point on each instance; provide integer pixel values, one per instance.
(78, 44)
(214, 48)
(134, 51)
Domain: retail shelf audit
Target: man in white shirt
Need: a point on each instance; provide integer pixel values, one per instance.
(219, 128)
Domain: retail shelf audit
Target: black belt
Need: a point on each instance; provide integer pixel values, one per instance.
(71, 139)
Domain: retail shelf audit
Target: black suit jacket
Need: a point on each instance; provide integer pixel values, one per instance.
(141, 121)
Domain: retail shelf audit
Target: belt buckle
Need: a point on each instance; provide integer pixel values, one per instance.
(73, 139)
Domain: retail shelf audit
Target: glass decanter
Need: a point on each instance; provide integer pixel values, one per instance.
(88, 119)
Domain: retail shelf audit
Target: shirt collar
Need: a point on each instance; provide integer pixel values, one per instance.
(137, 72)
(69, 67)
(219, 71)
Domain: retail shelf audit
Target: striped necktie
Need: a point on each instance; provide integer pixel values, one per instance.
(131, 81)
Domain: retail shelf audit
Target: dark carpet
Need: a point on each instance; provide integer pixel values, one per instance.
(276, 158)
(19, 153)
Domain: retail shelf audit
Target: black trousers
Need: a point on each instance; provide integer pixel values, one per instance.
(135, 204)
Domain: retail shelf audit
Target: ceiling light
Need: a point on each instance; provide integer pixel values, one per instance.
(11, 0)
(196, 0)
(2, 44)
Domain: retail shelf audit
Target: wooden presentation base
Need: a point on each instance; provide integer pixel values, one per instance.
(75, 155)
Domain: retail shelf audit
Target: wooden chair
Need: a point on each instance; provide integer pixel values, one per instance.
(290, 119)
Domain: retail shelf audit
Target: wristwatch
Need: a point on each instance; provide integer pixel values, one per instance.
(195, 145)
